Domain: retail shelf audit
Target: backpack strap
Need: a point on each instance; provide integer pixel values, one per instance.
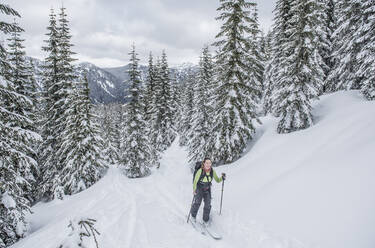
(202, 175)
(211, 175)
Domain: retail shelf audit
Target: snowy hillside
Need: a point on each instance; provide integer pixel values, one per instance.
(121, 72)
(104, 87)
(312, 188)
(315, 185)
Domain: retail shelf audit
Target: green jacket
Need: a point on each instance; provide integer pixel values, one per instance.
(198, 175)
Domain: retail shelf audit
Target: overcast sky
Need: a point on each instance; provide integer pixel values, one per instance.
(103, 30)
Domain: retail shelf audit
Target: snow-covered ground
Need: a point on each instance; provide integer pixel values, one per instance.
(312, 188)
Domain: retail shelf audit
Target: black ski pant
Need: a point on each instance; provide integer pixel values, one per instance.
(204, 194)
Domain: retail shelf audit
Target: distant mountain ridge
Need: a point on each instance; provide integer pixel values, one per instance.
(176, 71)
(108, 85)
(104, 87)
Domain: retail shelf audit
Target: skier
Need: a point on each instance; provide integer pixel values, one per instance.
(202, 190)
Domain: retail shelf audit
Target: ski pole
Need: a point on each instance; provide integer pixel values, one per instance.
(221, 200)
(191, 206)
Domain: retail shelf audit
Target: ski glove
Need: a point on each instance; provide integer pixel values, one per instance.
(223, 176)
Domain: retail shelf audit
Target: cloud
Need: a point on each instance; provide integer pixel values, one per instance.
(103, 30)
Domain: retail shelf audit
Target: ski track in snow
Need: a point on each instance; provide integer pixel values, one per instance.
(128, 216)
(151, 212)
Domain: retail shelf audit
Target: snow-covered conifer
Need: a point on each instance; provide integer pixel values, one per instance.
(21, 75)
(185, 126)
(150, 89)
(366, 57)
(325, 32)
(150, 99)
(265, 44)
(15, 144)
(202, 105)
(238, 90)
(110, 134)
(301, 75)
(137, 154)
(81, 148)
(279, 37)
(163, 123)
(58, 81)
(344, 74)
(149, 102)
(50, 87)
(255, 56)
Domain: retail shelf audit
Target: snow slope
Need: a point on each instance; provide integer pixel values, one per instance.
(312, 188)
(316, 184)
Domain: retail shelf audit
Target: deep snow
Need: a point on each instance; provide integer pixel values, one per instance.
(312, 188)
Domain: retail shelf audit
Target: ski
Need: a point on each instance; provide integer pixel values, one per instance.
(201, 228)
(211, 232)
(198, 227)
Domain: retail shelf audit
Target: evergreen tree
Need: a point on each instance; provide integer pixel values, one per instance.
(326, 40)
(58, 80)
(268, 83)
(264, 54)
(165, 131)
(137, 154)
(366, 58)
(175, 104)
(238, 91)
(21, 75)
(169, 133)
(150, 92)
(255, 56)
(189, 106)
(202, 105)
(81, 147)
(181, 90)
(344, 75)
(279, 36)
(178, 102)
(110, 134)
(265, 47)
(50, 79)
(7, 28)
(302, 76)
(36, 95)
(119, 127)
(66, 78)
(36, 117)
(66, 68)
(15, 140)
(158, 103)
(149, 101)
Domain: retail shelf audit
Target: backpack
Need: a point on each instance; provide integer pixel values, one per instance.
(198, 165)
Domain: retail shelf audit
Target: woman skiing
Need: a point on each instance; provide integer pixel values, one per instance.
(202, 189)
